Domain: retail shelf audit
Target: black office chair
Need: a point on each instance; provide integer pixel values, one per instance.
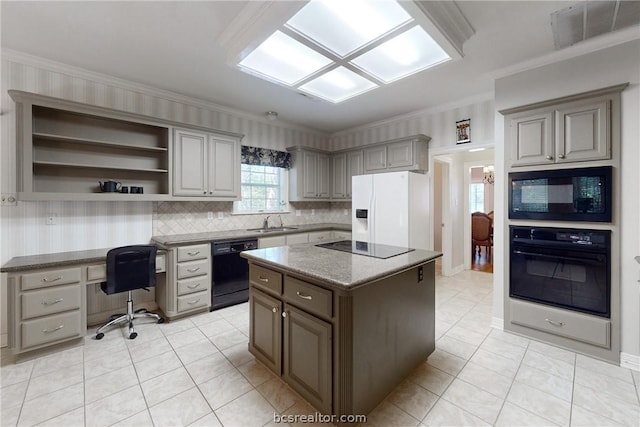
(129, 268)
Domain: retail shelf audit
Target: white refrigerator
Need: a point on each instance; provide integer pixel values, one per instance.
(391, 209)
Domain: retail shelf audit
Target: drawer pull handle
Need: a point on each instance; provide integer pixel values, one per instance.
(193, 270)
(193, 286)
(554, 322)
(47, 331)
(263, 279)
(193, 302)
(304, 296)
(46, 279)
(45, 302)
(194, 253)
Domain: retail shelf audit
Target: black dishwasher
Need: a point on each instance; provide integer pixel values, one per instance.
(230, 278)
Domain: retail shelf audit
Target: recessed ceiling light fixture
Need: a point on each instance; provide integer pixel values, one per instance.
(337, 49)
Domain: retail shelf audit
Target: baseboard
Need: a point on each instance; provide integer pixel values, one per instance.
(497, 323)
(630, 361)
(457, 269)
(4, 340)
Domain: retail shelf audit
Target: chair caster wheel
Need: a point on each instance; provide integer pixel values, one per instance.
(161, 320)
(133, 335)
(99, 336)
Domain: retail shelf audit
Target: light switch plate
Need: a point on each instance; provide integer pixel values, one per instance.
(9, 199)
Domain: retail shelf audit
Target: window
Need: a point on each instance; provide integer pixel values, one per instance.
(263, 189)
(476, 197)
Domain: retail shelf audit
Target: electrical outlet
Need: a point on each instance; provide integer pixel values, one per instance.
(220, 215)
(298, 212)
(345, 212)
(51, 218)
(210, 216)
(313, 211)
(9, 199)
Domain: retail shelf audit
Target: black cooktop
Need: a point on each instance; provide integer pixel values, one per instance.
(364, 248)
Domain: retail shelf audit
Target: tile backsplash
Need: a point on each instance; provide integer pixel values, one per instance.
(193, 217)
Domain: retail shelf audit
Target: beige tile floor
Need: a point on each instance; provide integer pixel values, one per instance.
(197, 371)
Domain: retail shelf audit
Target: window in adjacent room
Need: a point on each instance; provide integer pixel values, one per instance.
(476, 197)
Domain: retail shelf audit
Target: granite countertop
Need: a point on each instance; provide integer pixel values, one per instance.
(338, 269)
(29, 262)
(183, 239)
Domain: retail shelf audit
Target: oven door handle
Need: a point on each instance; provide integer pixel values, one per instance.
(568, 258)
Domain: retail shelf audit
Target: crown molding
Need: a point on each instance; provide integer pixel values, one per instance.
(447, 17)
(59, 67)
(588, 46)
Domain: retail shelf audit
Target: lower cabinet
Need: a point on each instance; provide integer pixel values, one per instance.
(287, 338)
(307, 356)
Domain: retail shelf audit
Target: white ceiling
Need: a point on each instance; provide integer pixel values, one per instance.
(171, 45)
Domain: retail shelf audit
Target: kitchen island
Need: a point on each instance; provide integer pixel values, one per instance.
(341, 329)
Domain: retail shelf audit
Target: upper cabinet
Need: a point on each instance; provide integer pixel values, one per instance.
(309, 176)
(571, 129)
(206, 165)
(398, 155)
(66, 149)
(345, 166)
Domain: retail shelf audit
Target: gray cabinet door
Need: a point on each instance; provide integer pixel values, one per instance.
(532, 139)
(582, 132)
(355, 160)
(324, 177)
(310, 171)
(266, 329)
(339, 183)
(191, 164)
(375, 158)
(224, 173)
(307, 357)
(400, 155)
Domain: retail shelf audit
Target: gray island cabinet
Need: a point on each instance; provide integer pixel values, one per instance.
(343, 330)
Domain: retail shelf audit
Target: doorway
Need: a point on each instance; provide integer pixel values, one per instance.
(479, 189)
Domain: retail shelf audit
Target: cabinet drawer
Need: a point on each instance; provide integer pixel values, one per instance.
(196, 284)
(51, 328)
(195, 268)
(577, 326)
(97, 273)
(192, 301)
(266, 279)
(51, 300)
(309, 297)
(43, 279)
(190, 253)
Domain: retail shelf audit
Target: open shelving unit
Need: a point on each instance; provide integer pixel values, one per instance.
(67, 149)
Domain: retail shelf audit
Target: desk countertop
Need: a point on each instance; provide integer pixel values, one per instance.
(30, 262)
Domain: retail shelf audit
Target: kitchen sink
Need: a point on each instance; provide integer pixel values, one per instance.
(271, 229)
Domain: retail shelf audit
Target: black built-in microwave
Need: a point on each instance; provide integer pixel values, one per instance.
(580, 194)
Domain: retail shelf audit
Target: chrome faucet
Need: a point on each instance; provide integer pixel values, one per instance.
(280, 218)
(265, 223)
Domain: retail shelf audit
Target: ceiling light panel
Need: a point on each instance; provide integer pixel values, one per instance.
(338, 85)
(354, 23)
(410, 52)
(284, 59)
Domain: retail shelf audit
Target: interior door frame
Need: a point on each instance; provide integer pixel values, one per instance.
(447, 235)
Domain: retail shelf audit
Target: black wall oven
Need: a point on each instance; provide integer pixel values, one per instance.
(561, 267)
(581, 194)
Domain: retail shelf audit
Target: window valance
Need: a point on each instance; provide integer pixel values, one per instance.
(265, 157)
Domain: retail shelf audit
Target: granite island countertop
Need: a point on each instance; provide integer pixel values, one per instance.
(338, 269)
(192, 238)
